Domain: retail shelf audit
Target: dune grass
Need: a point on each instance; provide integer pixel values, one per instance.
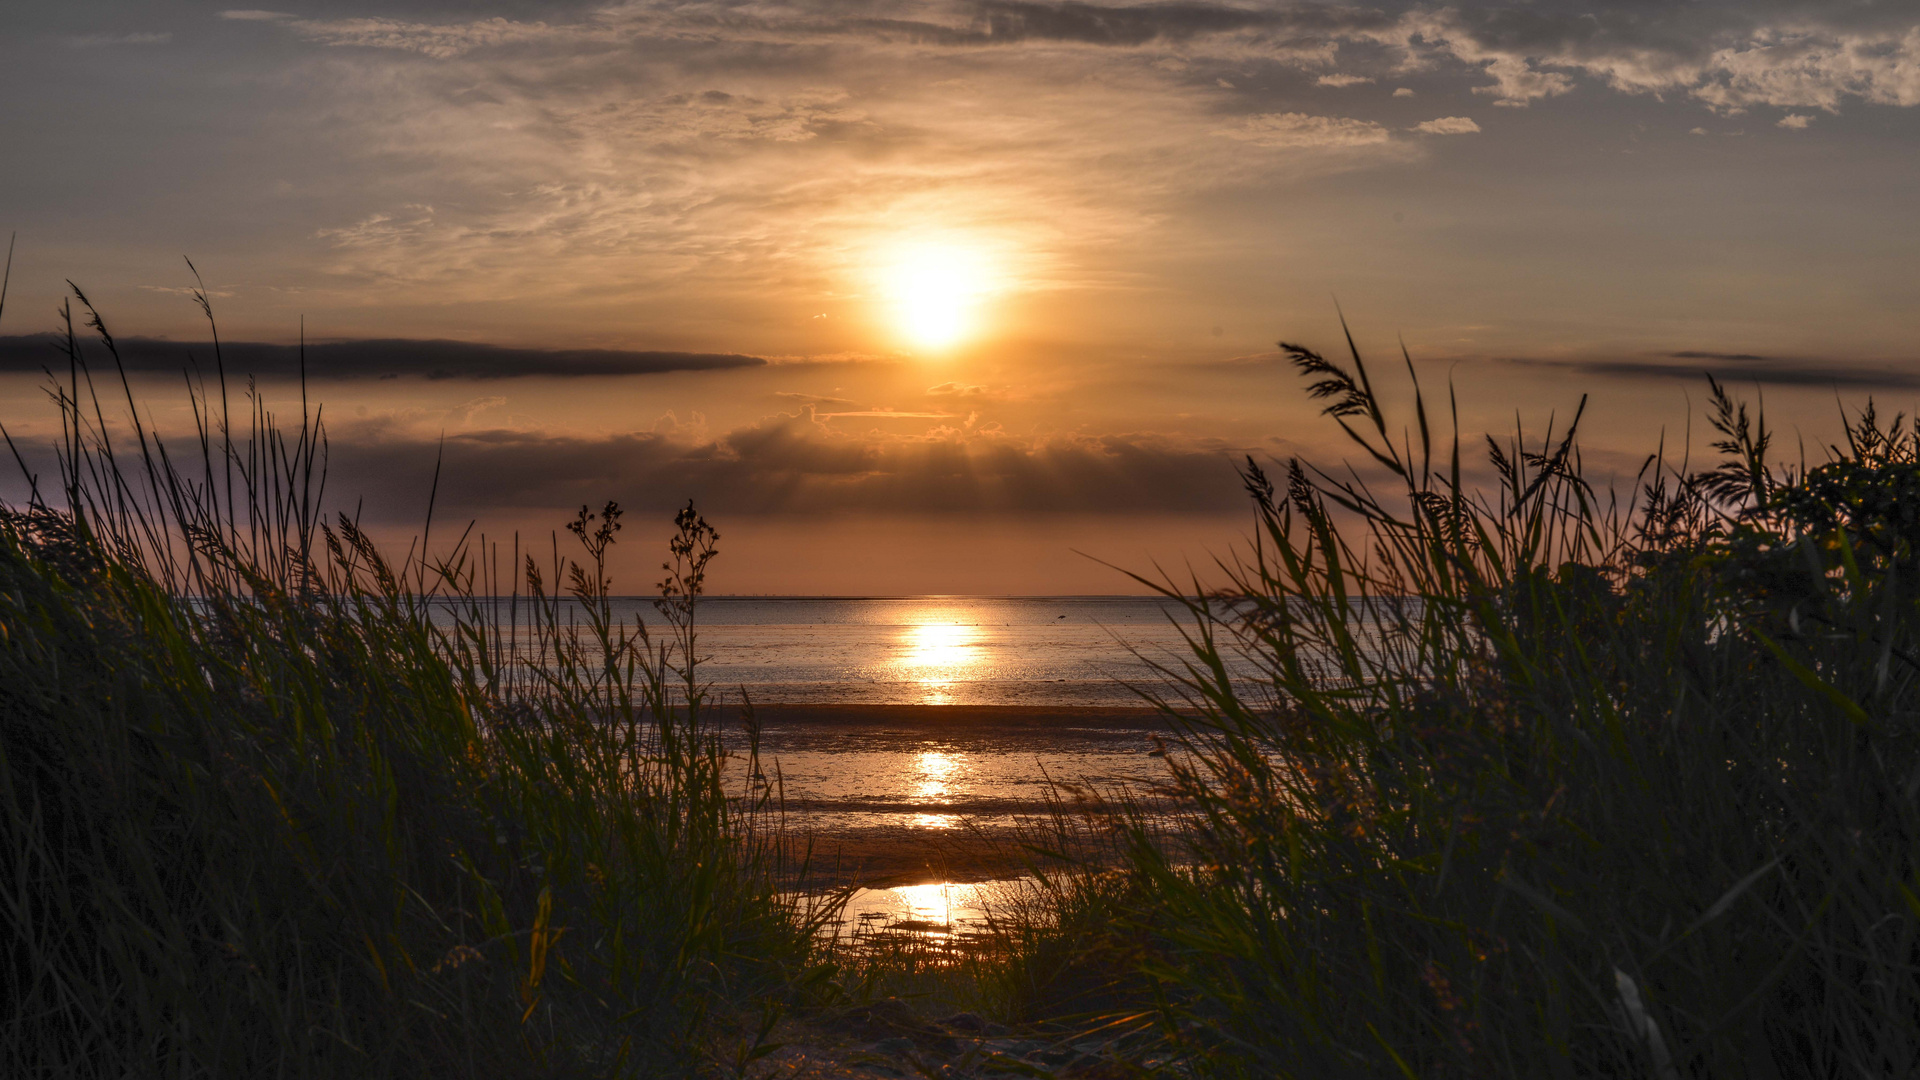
(1535, 782)
(271, 805)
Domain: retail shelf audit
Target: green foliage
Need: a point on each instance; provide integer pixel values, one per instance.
(271, 805)
(1532, 783)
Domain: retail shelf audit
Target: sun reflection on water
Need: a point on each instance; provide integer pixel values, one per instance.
(940, 645)
(939, 776)
(936, 654)
(936, 769)
(927, 903)
(937, 911)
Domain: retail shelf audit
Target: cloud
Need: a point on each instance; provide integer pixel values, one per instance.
(1448, 125)
(441, 41)
(888, 414)
(464, 412)
(1518, 82)
(1403, 92)
(1811, 66)
(373, 358)
(182, 290)
(1098, 25)
(813, 399)
(834, 359)
(971, 24)
(254, 15)
(794, 464)
(965, 392)
(1299, 130)
(101, 41)
(667, 151)
(1794, 122)
(1731, 55)
(1748, 368)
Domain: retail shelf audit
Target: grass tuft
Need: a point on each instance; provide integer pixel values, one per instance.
(1539, 782)
(272, 804)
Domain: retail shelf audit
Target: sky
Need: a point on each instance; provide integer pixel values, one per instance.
(914, 296)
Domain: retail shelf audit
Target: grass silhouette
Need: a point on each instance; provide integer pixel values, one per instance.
(1535, 780)
(274, 805)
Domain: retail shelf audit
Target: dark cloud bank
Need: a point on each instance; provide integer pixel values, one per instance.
(1008, 22)
(791, 464)
(1694, 364)
(366, 359)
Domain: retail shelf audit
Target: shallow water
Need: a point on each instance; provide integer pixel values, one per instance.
(939, 911)
(847, 777)
(896, 785)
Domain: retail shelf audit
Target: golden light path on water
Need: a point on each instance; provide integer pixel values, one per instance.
(935, 655)
(936, 911)
(923, 788)
(935, 651)
(941, 650)
(940, 773)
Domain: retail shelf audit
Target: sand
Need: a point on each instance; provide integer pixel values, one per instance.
(991, 838)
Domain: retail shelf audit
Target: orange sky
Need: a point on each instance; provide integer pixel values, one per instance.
(988, 281)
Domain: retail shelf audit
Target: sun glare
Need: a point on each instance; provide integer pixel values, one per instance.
(943, 646)
(936, 290)
(936, 655)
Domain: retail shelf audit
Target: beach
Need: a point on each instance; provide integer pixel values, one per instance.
(921, 794)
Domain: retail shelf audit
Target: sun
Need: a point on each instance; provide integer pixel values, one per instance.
(935, 291)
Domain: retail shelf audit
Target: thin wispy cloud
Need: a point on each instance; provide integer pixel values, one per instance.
(1448, 125)
(645, 120)
(1303, 132)
(671, 150)
(885, 414)
(966, 392)
(823, 401)
(1732, 56)
(102, 41)
(441, 41)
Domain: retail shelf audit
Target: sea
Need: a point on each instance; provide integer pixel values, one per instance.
(939, 650)
(1045, 696)
(908, 735)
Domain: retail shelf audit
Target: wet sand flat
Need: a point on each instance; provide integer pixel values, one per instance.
(917, 793)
